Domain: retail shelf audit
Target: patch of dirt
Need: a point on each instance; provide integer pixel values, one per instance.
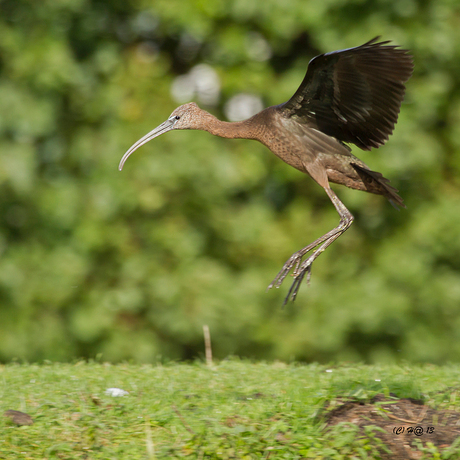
(18, 418)
(403, 420)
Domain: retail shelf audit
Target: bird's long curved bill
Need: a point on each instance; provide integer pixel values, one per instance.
(163, 128)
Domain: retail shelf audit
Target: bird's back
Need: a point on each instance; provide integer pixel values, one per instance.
(318, 154)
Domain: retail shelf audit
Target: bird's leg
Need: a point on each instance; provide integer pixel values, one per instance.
(304, 268)
(296, 259)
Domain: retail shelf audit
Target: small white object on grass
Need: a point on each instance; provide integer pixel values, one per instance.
(116, 392)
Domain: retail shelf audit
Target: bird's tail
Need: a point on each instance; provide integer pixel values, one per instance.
(376, 183)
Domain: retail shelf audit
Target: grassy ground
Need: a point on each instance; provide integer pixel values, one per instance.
(234, 409)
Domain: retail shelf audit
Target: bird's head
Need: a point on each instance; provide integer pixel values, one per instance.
(186, 116)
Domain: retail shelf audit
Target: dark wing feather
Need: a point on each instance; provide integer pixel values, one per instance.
(354, 94)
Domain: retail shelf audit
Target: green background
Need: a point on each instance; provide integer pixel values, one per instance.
(131, 265)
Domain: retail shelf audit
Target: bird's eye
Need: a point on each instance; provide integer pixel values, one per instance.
(177, 117)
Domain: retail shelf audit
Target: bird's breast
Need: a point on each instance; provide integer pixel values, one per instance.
(284, 150)
(280, 136)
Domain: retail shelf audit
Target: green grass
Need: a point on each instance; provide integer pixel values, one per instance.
(235, 409)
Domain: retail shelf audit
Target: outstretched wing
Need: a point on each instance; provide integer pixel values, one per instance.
(354, 94)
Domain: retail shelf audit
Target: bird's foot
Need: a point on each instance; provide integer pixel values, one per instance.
(295, 259)
(318, 246)
(300, 270)
(299, 274)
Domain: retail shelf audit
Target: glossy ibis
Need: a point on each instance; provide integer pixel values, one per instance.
(347, 96)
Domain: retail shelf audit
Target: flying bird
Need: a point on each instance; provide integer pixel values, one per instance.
(348, 96)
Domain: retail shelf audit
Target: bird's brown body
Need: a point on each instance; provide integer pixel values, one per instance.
(305, 148)
(352, 95)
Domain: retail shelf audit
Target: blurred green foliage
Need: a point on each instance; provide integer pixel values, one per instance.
(132, 264)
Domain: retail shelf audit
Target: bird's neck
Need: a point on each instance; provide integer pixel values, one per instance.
(229, 130)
